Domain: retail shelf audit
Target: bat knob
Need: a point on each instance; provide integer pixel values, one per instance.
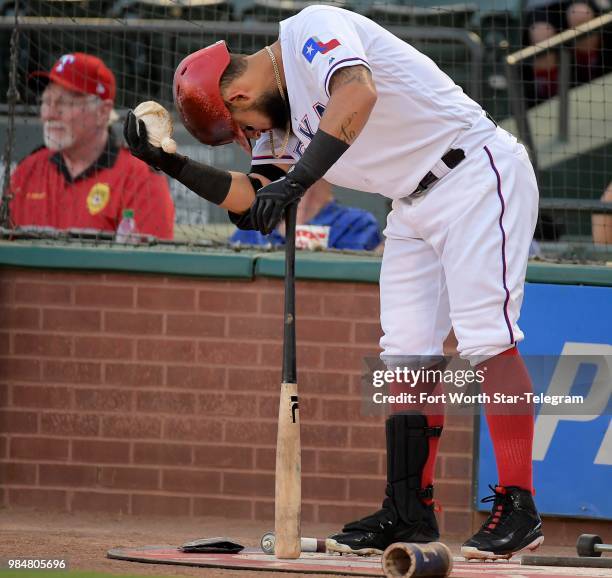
(267, 542)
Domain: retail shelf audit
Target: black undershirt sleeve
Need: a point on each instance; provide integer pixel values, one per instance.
(271, 172)
(208, 182)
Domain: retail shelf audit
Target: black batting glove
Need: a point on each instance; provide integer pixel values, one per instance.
(271, 202)
(242, 221)
(135, 134)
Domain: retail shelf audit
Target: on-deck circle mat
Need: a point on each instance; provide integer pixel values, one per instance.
(315, 563)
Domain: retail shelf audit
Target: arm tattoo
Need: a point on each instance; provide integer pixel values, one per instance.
(348, 75)
(348, 134)
(358, 74)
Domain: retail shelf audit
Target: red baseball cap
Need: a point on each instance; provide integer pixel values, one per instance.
(82, 73)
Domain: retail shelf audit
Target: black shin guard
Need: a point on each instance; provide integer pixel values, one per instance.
(407, 452)
(407, 511)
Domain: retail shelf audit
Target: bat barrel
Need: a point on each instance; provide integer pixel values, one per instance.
(405, 560)
(287, 506)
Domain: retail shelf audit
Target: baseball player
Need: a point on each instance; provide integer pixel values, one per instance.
(338, 96)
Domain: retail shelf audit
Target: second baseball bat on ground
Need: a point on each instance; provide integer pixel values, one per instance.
(288, 495)
(406, 560)
(268, 541)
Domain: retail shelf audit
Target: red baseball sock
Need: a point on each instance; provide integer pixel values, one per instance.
(510, 425)
(427, 478)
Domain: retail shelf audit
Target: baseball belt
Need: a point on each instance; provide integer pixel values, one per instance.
(451, 159)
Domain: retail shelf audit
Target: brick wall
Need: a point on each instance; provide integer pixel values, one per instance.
(145, 394)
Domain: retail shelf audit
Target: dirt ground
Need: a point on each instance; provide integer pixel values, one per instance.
(84, 539)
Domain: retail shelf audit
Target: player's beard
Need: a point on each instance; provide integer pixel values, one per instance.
(57, 140)
(274, 107)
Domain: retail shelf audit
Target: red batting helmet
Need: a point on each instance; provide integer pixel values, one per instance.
(197, 97)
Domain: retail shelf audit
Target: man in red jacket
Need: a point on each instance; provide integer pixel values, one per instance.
(82, 178)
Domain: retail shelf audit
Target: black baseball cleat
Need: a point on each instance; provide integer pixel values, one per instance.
(372, 534)
(407, 513)
(514, 525)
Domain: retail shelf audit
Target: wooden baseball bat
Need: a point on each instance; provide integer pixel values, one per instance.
(288, 495)
(268, 541)
(402, 559)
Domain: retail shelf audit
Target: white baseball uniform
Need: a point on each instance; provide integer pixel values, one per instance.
(458, 253)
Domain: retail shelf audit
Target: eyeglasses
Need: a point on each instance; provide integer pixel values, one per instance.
(64, 103)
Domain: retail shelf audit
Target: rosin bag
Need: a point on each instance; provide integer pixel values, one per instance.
(159, 125)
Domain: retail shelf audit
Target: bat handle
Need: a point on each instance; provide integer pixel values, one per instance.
(289, 343)
(268, 541)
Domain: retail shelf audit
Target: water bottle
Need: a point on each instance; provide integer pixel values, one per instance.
(126, 231)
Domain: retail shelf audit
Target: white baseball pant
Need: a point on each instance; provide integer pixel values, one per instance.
(458, 254)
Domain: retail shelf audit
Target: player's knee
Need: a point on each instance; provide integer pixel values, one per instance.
(417, 347)
(450, 344)
(476, 354)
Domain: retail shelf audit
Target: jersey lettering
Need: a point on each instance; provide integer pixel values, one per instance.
(298, 149)
(305, 128)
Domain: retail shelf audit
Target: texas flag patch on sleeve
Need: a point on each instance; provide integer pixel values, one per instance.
(313, 46)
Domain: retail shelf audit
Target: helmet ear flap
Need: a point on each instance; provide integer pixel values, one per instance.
(197, 97)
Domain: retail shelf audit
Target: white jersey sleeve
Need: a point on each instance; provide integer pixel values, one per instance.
(262, 152)
(329, 42)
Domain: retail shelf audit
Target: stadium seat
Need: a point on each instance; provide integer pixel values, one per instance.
(144, 63)
(501, 35)
(275, 10)
(185, 9)
(67, 8)
(497, 10)
(423, 13)
(7, 8)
